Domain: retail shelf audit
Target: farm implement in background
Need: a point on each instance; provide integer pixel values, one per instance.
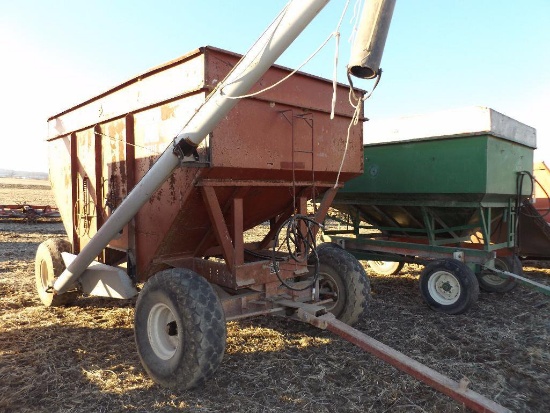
(534, 222)
(29, 213)
(450, 190)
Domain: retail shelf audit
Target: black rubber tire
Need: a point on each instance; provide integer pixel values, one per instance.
(449, 286)
(179, 328)
(324, 245)
(492, 283)
(386, 267)
(48, 265)
(344, 278)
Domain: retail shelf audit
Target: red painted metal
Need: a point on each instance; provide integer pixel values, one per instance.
(458, 391)
(238, 229)
(273, 149)
(534, 218)
(220, 228)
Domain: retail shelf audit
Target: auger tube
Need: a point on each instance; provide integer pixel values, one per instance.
(261, 56)
(368, 46)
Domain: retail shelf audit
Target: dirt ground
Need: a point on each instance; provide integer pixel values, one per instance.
(82, 358)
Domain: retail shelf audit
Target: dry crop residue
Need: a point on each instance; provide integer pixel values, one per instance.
(82, 358)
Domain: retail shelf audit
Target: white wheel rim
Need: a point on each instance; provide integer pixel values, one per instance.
(44, 277)
(493, 279)
(163, 331)
(444, 287)
(385, 266)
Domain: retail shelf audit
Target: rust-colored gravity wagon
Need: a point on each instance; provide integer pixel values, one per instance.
(258, 167)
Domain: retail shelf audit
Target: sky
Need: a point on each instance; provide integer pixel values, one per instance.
(439, 55)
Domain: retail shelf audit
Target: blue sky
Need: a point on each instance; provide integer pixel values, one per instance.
(440, 54)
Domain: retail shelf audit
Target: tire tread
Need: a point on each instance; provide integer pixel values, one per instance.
(203, 322)
(354, 277)
(467, 278)
(50, 252)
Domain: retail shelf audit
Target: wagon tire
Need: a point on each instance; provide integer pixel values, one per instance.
(492, 283)
(324, 245)
(179, 328)
(48, 265)
(449, 286)
(386, 267)
(343, 278)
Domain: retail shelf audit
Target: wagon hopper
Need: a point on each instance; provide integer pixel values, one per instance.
(444, 190)
(266, 157)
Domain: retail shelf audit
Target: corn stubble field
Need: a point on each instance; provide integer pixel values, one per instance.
(82, 358)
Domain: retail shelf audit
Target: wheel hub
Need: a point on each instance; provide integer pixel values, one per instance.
(444, 287)
(493, 279)
(172, 329)
(328, 289)
(162, 330)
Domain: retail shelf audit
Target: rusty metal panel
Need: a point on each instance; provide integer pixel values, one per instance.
(154, 129)
(114, 176)
(282, 137)
(534, 233)
(301, 90)
(257, 137)
(59, 154)
(542, 189)
(85, 207)
(176, 78)
(286, 129)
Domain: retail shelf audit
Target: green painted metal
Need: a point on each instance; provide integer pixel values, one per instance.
(366, 248)
(433, 198)
(468, 168)
(442, 189)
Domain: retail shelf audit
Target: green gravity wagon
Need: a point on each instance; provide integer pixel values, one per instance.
(443, 190)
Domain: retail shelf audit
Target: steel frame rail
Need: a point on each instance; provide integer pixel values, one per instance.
(458, 391)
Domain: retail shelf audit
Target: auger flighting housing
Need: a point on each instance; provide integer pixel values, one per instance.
(368, 47)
